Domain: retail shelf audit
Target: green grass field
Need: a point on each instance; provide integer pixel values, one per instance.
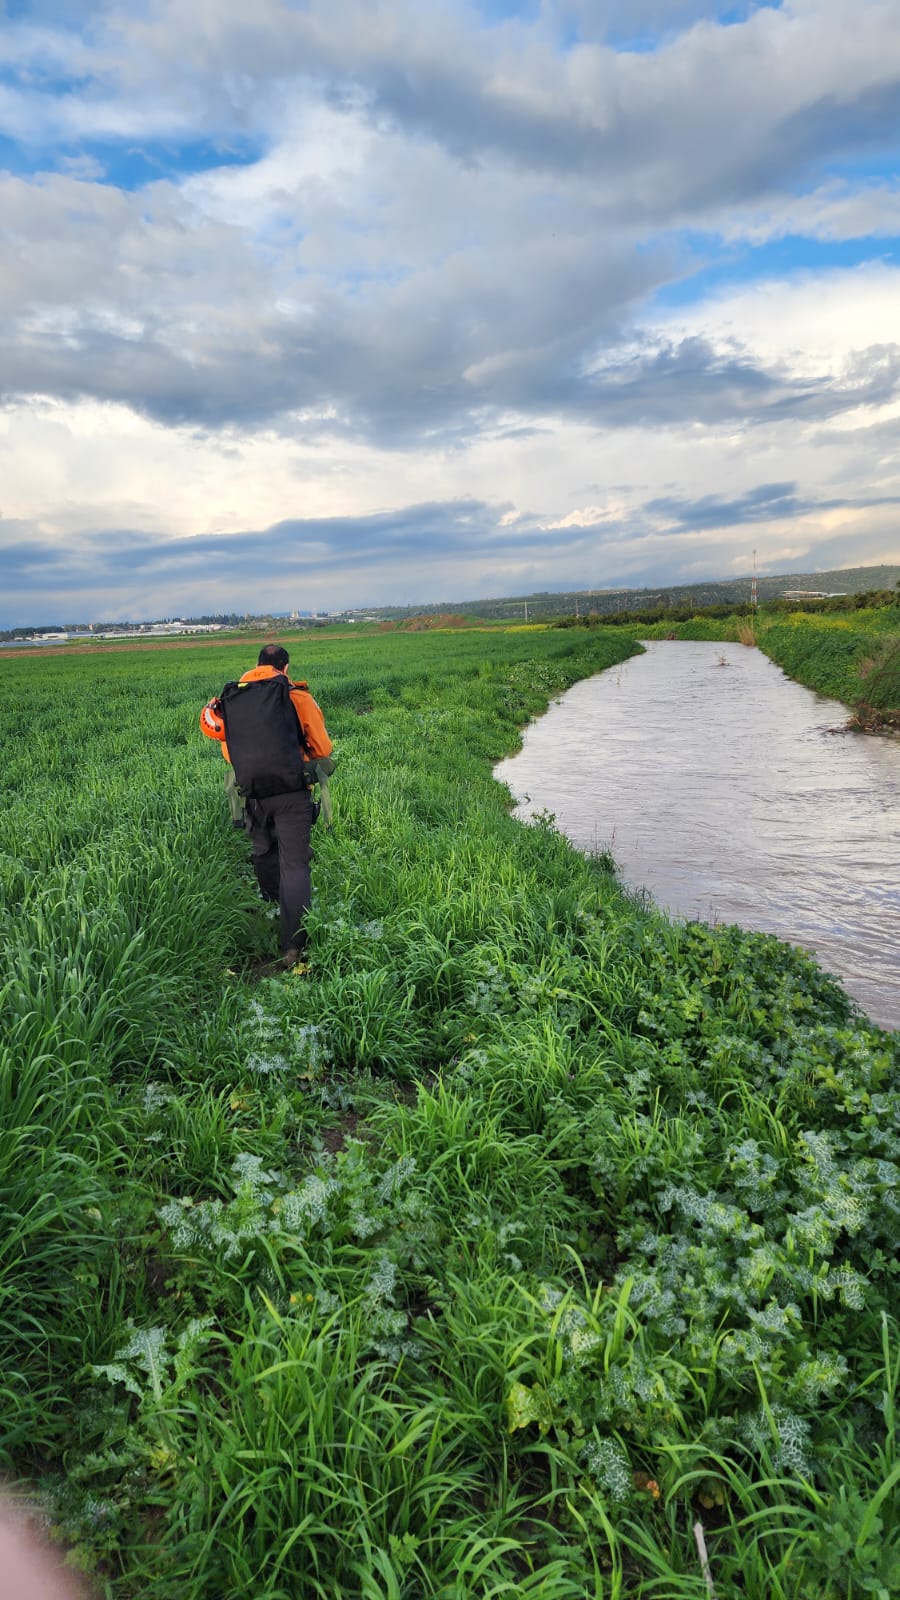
(528, 1232)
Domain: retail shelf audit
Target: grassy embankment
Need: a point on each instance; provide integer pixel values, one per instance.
(529, 1232)
(854, 657)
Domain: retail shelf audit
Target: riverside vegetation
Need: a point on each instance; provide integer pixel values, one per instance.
(529, 1232)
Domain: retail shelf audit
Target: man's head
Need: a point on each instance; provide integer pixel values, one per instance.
(273, 655)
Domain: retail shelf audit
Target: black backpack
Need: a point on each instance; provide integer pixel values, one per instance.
(264, 737)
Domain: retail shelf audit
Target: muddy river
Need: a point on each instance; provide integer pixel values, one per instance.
(730, 794)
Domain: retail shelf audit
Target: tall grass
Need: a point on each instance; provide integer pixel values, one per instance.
(527, 1233)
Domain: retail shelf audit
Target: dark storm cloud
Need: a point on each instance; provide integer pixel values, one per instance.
(22, 559)
(684, 380)
(411, 538)
(125, 572)
(114, 571)
(281, 552)
(768, 502)
(350, 380)
(690, 380)
(854, 121)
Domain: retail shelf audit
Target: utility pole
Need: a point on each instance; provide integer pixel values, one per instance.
(753, 584)
(526, 609)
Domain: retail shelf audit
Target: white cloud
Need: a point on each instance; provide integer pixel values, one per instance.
(430, 275)
(811, 324)
(836, 210)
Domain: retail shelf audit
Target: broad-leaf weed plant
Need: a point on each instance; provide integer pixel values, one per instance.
(524, 1234)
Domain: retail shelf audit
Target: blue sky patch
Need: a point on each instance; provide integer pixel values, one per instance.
(740, 265)
(128, 164)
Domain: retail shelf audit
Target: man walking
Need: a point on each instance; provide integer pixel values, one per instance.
(273, 733)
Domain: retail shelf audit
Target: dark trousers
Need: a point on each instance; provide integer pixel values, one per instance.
(279, 831)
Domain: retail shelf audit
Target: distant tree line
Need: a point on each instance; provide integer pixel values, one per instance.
(866, 600)
(648, 614)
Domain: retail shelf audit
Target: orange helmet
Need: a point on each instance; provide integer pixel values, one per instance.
(211, 721)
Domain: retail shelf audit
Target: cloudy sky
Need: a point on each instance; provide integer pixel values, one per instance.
(315, 303)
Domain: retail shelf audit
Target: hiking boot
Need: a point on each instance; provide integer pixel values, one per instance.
(294, 962)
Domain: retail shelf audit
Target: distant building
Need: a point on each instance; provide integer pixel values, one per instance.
(812, 594)
(159, 630)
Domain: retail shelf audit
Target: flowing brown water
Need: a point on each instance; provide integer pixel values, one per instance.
(723, 788)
